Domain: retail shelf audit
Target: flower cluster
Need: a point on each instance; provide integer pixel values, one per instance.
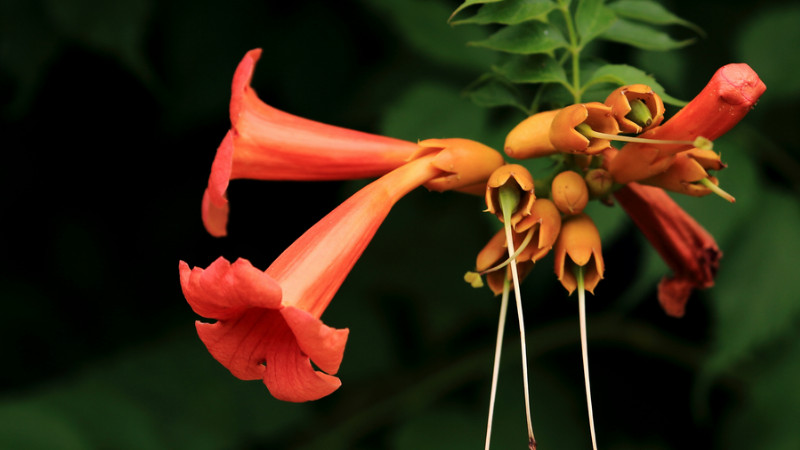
(267, 322)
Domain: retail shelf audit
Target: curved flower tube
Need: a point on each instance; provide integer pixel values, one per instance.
(687, 248)
(727, 98)
(268, 323)
(267, 144)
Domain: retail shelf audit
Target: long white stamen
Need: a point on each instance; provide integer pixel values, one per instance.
(501, 325)
(518, 296)
(585, 351)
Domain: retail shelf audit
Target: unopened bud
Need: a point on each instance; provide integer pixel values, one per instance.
(599, 182)
(570, 193)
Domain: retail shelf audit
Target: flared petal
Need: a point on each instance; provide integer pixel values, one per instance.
(687, 248)
(265, 143)
(253, 330)
(260, 345)
(323, 344)
(224, 290)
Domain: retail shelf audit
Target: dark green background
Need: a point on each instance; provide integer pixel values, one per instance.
(111, 114)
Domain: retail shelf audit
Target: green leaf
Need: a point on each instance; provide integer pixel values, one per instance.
(591, 19)
(511, 12)
(650, 12)
(642, 36)
(469, 3)
(533, 69)
(770, 30)
(491, 91)
(622, 74)
(526, 38)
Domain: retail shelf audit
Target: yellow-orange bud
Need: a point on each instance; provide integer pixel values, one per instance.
(531, 137)
(580, 240)
(570, 193)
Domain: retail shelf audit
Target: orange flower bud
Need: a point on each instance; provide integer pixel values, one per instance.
(545, 220)
(524, 182)
(570, 193)
(599, 182)
(467, 164)
(597, 116)
(580, 240)
(531, 137)
(620, 102)
(687, 169)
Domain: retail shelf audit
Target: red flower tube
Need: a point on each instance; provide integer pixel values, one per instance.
(268, 323)
(727, 98)
(267, 144)
(687, 248)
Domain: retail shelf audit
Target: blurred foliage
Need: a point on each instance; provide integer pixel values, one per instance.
(112, 112)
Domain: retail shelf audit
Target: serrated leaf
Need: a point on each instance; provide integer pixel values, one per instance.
(650, 12)
(511, 12)
(526, 38)
(622, 74)
(490, 91)
(468, 3)
(592, 18)
(533, 69)
(642, 36)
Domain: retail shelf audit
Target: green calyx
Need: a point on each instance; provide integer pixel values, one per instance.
(509, 195)
(640, 114)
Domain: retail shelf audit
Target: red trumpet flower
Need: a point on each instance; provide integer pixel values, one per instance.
(687, 248)
(267, 144)
(268, 323)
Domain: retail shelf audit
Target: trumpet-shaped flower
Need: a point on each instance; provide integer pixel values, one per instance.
(687, 248)
(267, 144)
(727, 98)
(268, 323)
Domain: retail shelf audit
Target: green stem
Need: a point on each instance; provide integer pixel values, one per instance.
(574, 51)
